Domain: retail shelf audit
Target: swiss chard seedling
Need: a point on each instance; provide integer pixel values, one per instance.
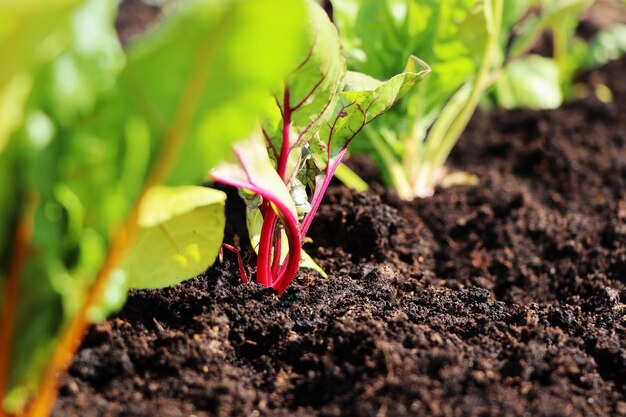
(285, 169)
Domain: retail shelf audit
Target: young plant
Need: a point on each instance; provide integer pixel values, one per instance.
(284, 170)
(99, 162)
(460, 41)
(471, 45)
(543, 82)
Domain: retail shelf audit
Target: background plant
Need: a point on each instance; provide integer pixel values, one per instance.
(470, 45)
(458, 40)
(539, 80)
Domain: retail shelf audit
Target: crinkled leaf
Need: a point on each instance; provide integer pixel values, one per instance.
(181, 233)
(362, 100)
(309, 88)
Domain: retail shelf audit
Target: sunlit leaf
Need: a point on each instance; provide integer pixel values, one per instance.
(205, 74)
(181, 233)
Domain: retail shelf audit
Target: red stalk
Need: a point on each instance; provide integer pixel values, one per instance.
(264, 271)
(266, 267)
(295, 251)
(277, 255)
(242, 269)
(291, 228)
(284, 151)
(295, 246)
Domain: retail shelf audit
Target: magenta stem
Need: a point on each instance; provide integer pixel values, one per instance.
(267, 268)
(264, 272)
(295, 251)
(242, 269)
(318, 195)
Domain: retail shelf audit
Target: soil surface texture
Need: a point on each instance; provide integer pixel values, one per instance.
(507, 298)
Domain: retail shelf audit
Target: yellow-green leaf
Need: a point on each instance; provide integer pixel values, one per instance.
(181, 233)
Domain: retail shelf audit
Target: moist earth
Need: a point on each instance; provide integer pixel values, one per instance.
(506, 298)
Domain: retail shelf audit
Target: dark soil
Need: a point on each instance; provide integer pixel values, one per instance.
(502, 299)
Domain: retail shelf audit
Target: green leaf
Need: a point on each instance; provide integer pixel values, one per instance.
(10, 195)
(33, 32)
(205, 74)
(49, 162)
(388, 32)
(555, 12)
(309, 89)
(31, 35)
(533, 82)
(89, 139)
(12, 100)
(513, 12)
(606, 45)
(181, 233)
(361, 101)
(459, 41)
(307, 262)
(563, 13)
(90, 65)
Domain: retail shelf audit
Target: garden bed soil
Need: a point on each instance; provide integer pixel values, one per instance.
(501, 299)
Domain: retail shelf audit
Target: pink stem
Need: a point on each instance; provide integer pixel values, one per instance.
(295, 246)
(242, 269)
(318, 195)
(295, 252)
(284, 151)
(266, 269)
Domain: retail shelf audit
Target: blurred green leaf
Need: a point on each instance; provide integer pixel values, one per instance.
(91, 130)
(31, 32)
(453, 37)
(533, 82)
(236, 48)
(181, 233)
(606, 45)
(387, 32)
